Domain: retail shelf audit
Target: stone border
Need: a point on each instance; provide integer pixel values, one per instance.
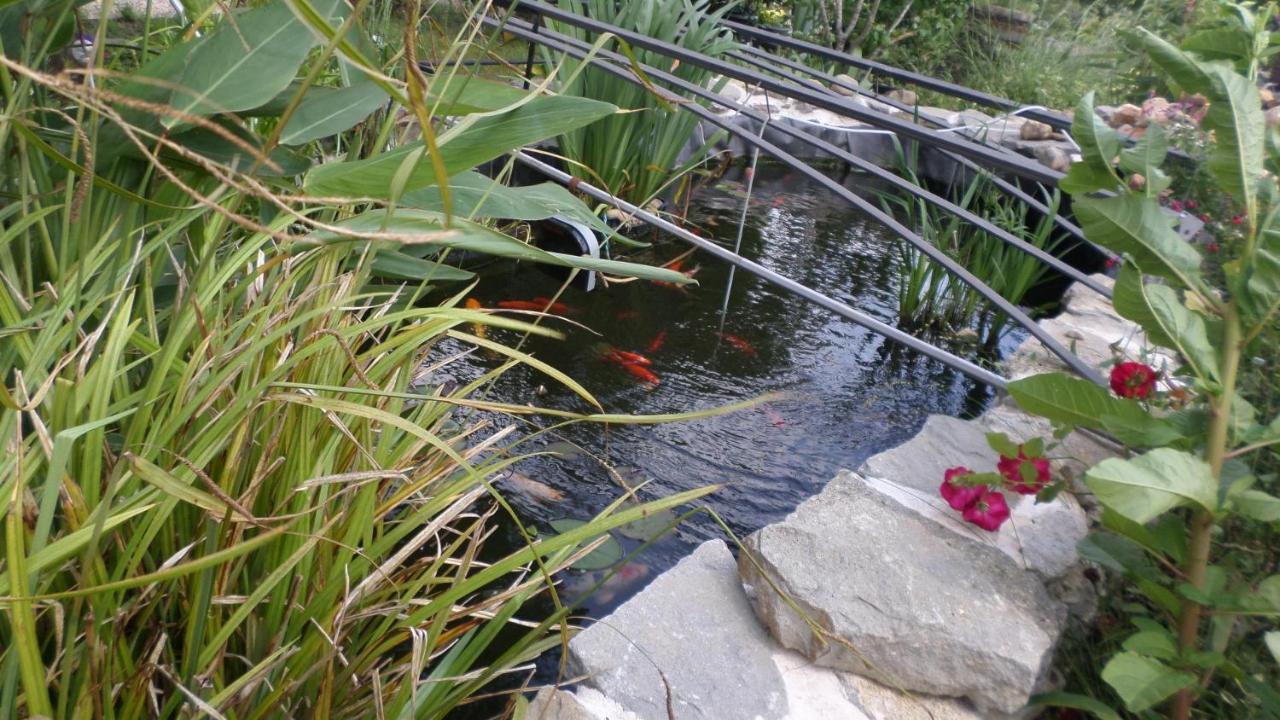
(894, 609)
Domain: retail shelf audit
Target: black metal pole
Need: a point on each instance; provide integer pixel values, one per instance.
(581, 49)
(1057, 120)
(924, 247)
(1003, 185)
(1014, 164)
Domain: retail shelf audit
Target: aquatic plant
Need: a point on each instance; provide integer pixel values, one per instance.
(928, 296)
(637, 154)
(1190, 510)
(232, 486)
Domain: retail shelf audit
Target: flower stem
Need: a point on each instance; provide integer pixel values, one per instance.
(1201, 530)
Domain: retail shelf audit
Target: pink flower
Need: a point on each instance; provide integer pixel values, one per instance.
(1237, 220)
(1133, 380)
(1176, 206)
(989, 511)
(1204, 217)
(1191, 204)
(1113, 262)
(1211, 247)
(959, 497)
(1011, 469)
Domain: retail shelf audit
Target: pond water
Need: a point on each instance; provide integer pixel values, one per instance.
(847, 393)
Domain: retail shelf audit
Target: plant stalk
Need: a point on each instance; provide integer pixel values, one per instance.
(1201, 530)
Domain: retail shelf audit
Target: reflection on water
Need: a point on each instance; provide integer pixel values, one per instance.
(847, 392)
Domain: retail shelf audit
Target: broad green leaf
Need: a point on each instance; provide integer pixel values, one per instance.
(1118, 554)
(1073, 401)
(246, 61)
(1222, 43)
(1235, 115)
(1143, 682)
(485, 140)
(329, 111)
(477, 238)
(1001, 443)
(1272, 640)
(1157, 643)
(1099, 145)
(1167, 321)
(476, 196)
(1261, 296)
(605, 556)
(1257, 505)
(392, 264)
(463, 94)
(1141, 433)
(1151, 484)
(1135, 225)
(1097, 708)
(285, 162)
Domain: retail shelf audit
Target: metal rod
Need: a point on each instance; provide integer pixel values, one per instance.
(581, 49)
(1014, 164)
(954, 362)
(924, 247)
(1057, 120)
(1003, 185)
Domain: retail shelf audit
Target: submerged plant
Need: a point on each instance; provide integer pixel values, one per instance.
(638, 154)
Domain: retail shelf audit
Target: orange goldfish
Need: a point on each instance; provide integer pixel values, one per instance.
(738, 343)
(656, 344)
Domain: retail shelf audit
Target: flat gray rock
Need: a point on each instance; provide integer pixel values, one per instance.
(688, 640)
(910, 603)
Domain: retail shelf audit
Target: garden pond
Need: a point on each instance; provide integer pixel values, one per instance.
(845, 393)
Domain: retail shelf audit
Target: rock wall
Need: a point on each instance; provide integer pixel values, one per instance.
(871, 601)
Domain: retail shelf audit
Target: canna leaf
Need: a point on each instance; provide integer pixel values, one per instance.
(1167, 321)
(1099, 145)
(329, 111)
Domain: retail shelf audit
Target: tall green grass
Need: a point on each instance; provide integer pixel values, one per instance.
(232, 485)
(636, 155)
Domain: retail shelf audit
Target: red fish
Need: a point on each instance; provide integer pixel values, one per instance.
(477, 329)
(642, 373)
(520, 305)
(656, 344)
(630, 358)
(738, 343)
(558, 308)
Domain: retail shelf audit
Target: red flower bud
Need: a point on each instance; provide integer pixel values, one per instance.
(1191, 204)
(959, 496)
(1211, 247)
(989, 511)
(1204, 217)
(1133, 380)
(1237, 220)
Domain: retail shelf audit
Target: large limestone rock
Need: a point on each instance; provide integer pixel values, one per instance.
(906, 601)
(1040, 537)
(691, 639)
(688, 640)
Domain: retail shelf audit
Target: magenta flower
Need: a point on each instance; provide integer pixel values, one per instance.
(1191, 204)
(958, 496)
(1134, 379)
(988, 512)
(1176, 206)
(1012, 470)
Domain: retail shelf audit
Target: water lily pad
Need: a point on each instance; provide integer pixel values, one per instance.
(607, 555)
(650, 526)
